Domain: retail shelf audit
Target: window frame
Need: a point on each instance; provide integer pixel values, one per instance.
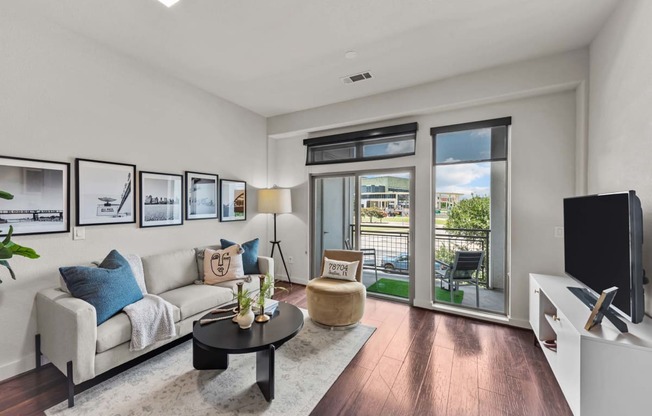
(359, 139)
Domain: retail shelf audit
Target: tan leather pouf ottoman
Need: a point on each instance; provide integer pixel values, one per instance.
(335, 303)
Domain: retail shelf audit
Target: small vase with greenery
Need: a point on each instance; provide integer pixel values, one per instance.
(8, 248)
(245, 315)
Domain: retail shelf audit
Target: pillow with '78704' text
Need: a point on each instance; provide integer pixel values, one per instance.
(344, 270)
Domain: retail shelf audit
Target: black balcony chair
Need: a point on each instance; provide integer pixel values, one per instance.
(366, 252)
(465, 268)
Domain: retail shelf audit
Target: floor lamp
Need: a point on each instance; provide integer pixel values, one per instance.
(276, 201)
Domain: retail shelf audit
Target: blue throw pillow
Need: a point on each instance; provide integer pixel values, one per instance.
(250, 255)
(109, 287)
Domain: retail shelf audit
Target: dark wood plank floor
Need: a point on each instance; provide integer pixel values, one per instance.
(417, 362)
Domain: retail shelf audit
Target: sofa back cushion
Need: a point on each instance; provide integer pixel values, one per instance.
(199, 258)
(223, 265)
(250, 255)
(109, 287)
(169, 271)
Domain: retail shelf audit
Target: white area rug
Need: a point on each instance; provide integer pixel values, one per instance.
(306, 367)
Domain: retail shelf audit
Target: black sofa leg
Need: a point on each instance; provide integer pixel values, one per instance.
(71, 385)
(37, 349)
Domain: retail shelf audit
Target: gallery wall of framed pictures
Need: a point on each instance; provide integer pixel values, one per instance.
(106, 194)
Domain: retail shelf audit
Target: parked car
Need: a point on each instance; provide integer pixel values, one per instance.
(401, 263)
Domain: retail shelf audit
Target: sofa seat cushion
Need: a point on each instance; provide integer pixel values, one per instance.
(117, 330)
(193, 299)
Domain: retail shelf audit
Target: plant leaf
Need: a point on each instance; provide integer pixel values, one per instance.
(5, 253)
(6, 195)
(24, 251)
(7, 239)
(11, 272)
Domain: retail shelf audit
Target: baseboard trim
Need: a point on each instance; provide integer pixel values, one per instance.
(300, 280)
(18, 367)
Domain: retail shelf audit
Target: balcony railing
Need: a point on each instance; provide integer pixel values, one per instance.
(450, 240)
(392, 245)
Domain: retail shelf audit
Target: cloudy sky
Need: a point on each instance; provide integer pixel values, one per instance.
(460, 161)
(452, 174)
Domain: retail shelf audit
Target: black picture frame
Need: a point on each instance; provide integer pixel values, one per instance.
(202, 196)
(107, 182)
(233, 200)
(41, 189)
(157, 189)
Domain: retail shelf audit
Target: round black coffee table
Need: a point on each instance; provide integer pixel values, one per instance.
(212, 343)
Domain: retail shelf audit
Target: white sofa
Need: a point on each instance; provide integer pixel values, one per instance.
(68, 334)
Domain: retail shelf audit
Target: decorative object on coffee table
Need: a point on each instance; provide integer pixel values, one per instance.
(245, 316)
(276, 201)
(161, 196)
(105, 192)
(233, 200)
(262, 295)
(238, 295)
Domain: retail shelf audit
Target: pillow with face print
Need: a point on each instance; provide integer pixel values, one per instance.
(223, 265)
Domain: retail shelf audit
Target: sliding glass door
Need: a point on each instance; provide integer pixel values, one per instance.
(371, 212)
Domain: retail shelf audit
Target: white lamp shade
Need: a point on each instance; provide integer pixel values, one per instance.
(274, 201)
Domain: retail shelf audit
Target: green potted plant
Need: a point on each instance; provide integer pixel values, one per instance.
(245, 315)
(8, 248)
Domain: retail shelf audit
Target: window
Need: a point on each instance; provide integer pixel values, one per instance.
(382, 143)
(470, 207)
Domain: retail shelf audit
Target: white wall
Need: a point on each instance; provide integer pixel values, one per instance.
(522, 79)
(620, 116)
(542, 170)
(62, 97)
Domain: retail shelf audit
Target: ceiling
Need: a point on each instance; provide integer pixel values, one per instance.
(280, 56)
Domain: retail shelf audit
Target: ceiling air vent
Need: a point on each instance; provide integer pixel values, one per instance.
(350, 79)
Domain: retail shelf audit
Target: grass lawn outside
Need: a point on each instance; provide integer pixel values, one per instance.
(401, 288)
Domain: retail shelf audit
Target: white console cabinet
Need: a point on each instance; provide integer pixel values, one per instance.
(601, 372)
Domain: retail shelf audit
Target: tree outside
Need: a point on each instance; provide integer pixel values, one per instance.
(373, 212)
(469, 214)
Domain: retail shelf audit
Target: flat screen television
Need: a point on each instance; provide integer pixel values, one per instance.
(603, 244)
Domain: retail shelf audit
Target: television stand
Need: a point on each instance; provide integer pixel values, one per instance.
(602, 371)
(590, 300)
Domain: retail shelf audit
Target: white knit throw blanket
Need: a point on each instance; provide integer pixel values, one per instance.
(152, 320)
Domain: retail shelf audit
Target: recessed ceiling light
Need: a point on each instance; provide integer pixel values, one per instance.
(169, 3)
(350, 54)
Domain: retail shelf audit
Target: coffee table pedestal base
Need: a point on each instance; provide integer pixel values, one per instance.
(208, 360)
(217, 360)
(265, 372)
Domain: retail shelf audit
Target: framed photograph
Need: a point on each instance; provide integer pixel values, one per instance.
(161, 199)
(201, 196)
(41, 196)
(601, 306)
(105, 192)
(233, 199)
